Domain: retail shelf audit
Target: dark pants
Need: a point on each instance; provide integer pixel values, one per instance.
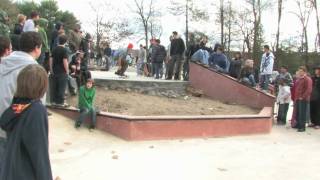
(158, 68)
(301, 114)
(282, 113)
(186, 70)
(315, 112)
(84, 113)
(58, 88)
(175, 66)
(123, 67)
(265, 81)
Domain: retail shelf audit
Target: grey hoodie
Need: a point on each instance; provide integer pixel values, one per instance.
(9, 69)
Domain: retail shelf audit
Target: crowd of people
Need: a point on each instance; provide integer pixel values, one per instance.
(31, 65)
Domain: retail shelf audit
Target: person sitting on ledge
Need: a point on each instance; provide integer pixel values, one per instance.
(86, 100)
(219, 61)
(247, 74)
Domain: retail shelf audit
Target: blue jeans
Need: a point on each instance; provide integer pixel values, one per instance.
(158, 70)
(265, 81)
(84, 112)
(250, 80)
(58, 87)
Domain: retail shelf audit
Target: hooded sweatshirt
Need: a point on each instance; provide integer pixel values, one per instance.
(27, 153)
(43, 23)
(4, 28)
(9, 69)
(266, 66)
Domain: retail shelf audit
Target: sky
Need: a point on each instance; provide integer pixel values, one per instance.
(290, 25)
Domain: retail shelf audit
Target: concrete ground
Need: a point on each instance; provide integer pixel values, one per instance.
(282, 155)
(131, 73)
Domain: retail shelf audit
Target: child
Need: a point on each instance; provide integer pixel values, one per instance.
(283, 98)
(26, 124)
(86, 99)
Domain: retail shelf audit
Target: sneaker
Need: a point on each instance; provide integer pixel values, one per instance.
(301, 130)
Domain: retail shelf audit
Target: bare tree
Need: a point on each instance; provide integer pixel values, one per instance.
(245, 25)
(305, 9)
(190, 11)
(144, 13)
(109, 29)
(221, 17)
(317, 41)
(278, 27)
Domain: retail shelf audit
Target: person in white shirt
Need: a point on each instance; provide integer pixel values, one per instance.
(266, 68)
(283, 99)
(29, 25)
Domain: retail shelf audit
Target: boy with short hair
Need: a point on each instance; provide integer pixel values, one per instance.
(26, 123)
(5, 47)
(283, 98)
(59, 67)
(86, 100)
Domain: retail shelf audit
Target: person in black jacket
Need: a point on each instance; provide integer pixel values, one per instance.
(315, 99)
(26, 124)
(157, 58)
(235, 66)
(177, 49)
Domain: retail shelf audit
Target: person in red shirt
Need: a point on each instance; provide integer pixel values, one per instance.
(302, 95)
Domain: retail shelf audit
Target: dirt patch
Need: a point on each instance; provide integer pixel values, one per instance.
(131, 103)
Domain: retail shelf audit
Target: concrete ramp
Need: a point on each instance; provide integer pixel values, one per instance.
(227, 89)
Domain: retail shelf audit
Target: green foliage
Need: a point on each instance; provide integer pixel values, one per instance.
(11, 10)
(27, 7)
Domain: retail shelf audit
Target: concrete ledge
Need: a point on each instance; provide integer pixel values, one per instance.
(227, 89)
(174, 127)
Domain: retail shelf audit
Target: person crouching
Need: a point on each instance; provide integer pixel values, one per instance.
(86, 100)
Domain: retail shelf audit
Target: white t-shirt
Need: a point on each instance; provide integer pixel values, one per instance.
(284, 95)
(29, 26)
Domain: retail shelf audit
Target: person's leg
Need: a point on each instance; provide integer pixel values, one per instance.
(161, 70)
(52, 88)
(262, 81)
(157, 70)
(252, 80)
(93, 114)
(317, 114)
(280, 114)
(301, 115)
(285, 113)
(186, 70)
(61, 89)
(313, 112)
(294, 115)
(266, 82)
(178, 66)
(171, 64)
(83, 114)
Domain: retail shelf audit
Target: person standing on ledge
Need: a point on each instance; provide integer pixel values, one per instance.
(266, 68)
(177, 49)
(87, 94)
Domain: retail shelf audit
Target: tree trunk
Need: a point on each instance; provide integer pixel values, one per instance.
(222, 22)
(306, 47)
(187, 22)
(256, 34)
(278, 31)
(318, 25)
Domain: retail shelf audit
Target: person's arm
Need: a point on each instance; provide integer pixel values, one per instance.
(35, 140)
(66, 65)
